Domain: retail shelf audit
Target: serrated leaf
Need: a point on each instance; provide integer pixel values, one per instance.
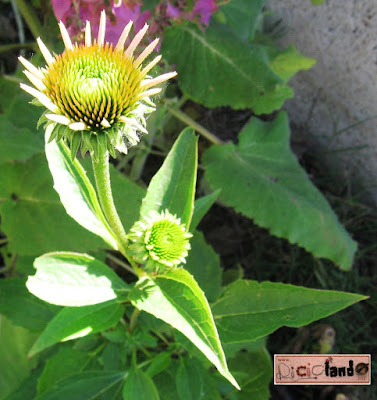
(84, 385)
(204, 263)
(176, 298)
(74, 322)
(173, 186)
(76, 192)
(139, 386)
(32, 216)
(22, 308)
(17, 143)
(216, 68)
(249, 310)
(261, 178)
(72, 279)
(202, 206)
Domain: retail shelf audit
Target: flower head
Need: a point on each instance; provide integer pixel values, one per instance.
(159, 241)
(96, 94)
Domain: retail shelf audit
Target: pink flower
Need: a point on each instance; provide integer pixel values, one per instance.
(171, 11)
(205, 8)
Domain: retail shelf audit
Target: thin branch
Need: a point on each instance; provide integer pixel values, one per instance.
(121, 263)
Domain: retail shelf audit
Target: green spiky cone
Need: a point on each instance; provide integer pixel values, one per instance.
(96, 95)
(159, 242)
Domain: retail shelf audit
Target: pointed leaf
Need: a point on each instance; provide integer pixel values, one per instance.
(76, 192)
(261, 178)
(173, 186)
(202, 206)
(249, 310)
(176, 298)
(139, 385)
(72, 279)
(74, 322)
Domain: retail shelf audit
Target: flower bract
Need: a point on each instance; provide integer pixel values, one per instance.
(96, 94)
(159, 241)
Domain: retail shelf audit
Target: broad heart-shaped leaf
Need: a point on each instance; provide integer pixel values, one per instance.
(139, 386)
(242, 16)
(17, 143)
(85, 385)
(216, 68)
(76, 192)
(74, 322)
(72, 279)
(32, 216)
(261, 178)
(249, 310)
(173, 186)
(22, 308)
(176, 298)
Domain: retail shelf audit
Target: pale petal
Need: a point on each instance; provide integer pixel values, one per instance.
(45, 52)
(31, 68)
(131, 121)
(35, 81)
(41, 97)
(88, 34)
(136, 40)
(102, 29)
(61, 119)
(155, 81)
(124, 36)
(105, 123)
(77, 126)
(65, 36)
(147, 93)
(149, 66)
(148, 50)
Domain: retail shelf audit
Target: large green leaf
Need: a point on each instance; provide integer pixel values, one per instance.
(22, 308)
(261, 178)
(14, 364)
(204, 263)
(176, 298)
(72, 279)
(173, 186)
(249, 310)
(139, 386)
(17, 143)
(74, 322)
(33, 218)
(216, 68)
(89, 385)
(202, 206)
(76, 192)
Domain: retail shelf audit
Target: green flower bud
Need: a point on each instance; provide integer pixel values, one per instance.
(96, 95)
(159, 241)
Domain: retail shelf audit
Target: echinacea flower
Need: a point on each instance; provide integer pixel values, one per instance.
(96, 94)
(159, 241)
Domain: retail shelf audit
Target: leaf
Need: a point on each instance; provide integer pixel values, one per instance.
(189, 380)
(204, 263)
(317, 2)
(17, 143)
(76, 192)
(176, 298)
(139, 386)
(173, 186)
(254, 371)
(242, 16)
(22, 308)
(33, 218)
(202, 206)
(84, 385)
(217, 69)
(14, 365)
(27, 389)
(61, 365)
(261, 178)
(160, 363)
(74, 322)
(249, 310)
(72, 279)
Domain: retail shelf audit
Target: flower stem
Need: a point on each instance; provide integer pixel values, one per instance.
(30, 17)
(102, 177)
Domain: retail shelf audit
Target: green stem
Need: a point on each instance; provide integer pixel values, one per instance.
(102, 176)
(133, 319)
(189, 121)
(30, 17)
(14, 46)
